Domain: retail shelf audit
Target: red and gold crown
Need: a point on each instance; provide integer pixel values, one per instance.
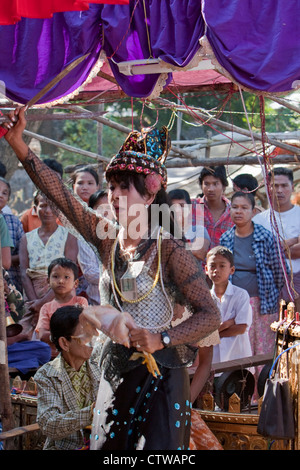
(144, 153)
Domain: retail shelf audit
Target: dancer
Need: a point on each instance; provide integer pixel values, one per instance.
(145, 272)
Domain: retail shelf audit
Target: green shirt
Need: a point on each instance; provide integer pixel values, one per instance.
(5, 237)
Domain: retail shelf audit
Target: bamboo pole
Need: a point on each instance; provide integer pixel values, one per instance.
(284, 103)
(57, 116)
(70, 148)
(190, 159)
(101, 119)
(214, 141)
(20, 431)
(242, 160)
(186, 154)
(5, 398)
(195, 112)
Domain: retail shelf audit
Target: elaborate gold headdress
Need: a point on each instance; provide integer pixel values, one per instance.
(145, 153)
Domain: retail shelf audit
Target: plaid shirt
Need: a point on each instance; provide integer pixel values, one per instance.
(16, 231)
(58, 414)
(270, 276)
(215, 230)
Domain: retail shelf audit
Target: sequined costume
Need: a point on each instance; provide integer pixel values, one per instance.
(134, 410)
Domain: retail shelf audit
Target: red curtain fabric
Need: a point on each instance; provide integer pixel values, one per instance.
(11, 11)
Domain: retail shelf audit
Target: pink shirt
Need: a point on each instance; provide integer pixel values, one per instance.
(49, 308)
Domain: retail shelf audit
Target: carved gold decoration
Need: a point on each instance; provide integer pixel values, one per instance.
(234, 404)
(238, 431)
(208, 402)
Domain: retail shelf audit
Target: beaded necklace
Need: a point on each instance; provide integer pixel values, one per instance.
(155, 279)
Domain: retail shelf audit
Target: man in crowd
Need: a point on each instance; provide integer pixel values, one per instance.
(287, 221)
(213, 206)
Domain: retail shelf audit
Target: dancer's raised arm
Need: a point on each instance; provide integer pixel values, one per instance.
(14, 136)
(85, 221)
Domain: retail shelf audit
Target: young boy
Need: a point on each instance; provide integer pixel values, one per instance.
(63, 280)
(234, 306)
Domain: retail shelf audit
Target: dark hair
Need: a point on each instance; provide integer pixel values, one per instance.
(138, 181)
(64, 322)
(64, 263)
(179, 194)
(217, 172)
(97, 196)
(222, 251)
(54, 165)
(248, 196)
(246, 181)
(36, 197)
(3, 170)
(3, 180)
(280, 171)
(84, 169)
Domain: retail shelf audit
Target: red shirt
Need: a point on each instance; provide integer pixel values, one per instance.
(215, 229)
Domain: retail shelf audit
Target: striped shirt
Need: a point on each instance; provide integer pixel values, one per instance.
(16, 232)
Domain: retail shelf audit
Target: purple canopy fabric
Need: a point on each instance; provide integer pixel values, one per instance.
(257, 44)
(35, 51)
(173, 33)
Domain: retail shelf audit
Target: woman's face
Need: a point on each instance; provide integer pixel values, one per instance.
(4, 194)
(241, 211)
(125, 201)
(85, 185)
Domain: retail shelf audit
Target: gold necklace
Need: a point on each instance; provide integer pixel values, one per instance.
(155, 279)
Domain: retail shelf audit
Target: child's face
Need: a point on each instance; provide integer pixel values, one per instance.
(62, 280)
(218, 269)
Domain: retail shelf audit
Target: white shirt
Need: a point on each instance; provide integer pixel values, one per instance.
(235, 303)
(90, 267)
(7, 210)
(288, 224)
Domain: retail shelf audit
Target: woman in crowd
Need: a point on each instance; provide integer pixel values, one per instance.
(257, 269)
(68, 385)
(85, 182)
(145, 272)
(37, 249)
(87, 259)
(196, 236)
(6, 244)
(16, 232)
